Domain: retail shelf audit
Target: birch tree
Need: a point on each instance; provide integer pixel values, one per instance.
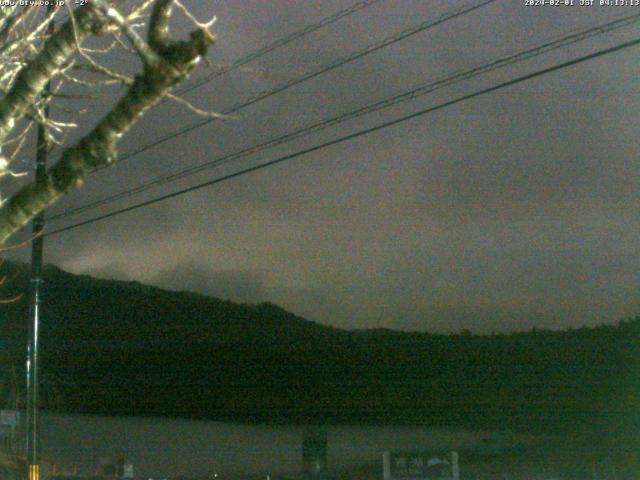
(34, 56)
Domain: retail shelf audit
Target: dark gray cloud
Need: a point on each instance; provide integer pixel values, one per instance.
(236, 285)
(513, 210)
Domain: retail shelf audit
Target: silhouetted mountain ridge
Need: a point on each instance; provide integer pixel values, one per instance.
(127, 348)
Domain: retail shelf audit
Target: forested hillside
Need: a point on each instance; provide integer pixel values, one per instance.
(125, 348)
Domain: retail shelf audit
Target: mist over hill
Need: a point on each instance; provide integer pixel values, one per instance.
(125, 348)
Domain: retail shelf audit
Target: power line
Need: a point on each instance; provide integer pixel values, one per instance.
(360, 133)
(268, 49)
(281, 43)
(421, 27)
(382, 104)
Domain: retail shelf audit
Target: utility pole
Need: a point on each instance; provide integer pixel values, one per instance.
(33, 465)
(34, 320)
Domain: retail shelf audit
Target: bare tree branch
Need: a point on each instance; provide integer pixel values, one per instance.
(146, 53)
(33, 77)
(159, 25)
(175, 59)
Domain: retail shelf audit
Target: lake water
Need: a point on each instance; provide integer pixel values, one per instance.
(162, 447)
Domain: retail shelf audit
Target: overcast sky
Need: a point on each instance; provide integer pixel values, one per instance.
(514, 210)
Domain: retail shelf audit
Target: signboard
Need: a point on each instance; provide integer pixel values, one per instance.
(9, 418)
(420, 466)
(127, 471)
